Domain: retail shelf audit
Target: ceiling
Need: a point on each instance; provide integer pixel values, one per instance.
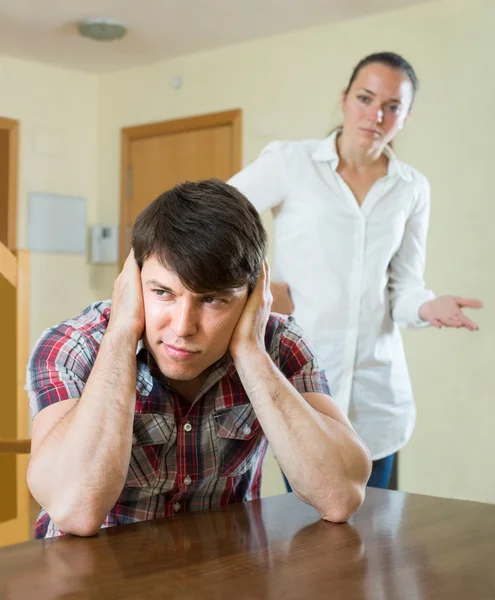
(46, 31)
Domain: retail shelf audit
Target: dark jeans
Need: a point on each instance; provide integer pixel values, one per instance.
(380, 473)
(287, 484)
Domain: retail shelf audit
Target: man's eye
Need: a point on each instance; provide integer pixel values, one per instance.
(212, 300)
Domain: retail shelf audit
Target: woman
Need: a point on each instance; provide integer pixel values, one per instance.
(350, 241)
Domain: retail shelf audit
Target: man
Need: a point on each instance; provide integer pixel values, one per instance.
(163, 400)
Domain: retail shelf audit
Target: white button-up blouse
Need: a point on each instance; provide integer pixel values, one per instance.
(356, 273)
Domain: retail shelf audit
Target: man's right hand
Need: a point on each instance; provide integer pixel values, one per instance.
(127, 313)
(81, 447)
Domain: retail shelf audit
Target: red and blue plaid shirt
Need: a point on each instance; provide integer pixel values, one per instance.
(185, 457)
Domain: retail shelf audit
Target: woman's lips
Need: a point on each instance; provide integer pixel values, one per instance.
(372, 132)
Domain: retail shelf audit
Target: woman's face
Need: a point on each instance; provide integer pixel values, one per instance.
(377, 105)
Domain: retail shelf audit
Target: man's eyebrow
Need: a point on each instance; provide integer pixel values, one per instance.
(226, 292)
(156, 283)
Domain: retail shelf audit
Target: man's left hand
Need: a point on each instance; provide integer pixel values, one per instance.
(249, 333)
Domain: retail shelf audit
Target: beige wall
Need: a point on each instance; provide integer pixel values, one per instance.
(288, 87)
(58, 112)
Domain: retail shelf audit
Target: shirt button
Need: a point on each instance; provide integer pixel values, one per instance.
(246, 430)
(177, 506)
(187, 480)
(187, 427)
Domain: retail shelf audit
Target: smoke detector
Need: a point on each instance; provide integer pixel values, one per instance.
(102, 29)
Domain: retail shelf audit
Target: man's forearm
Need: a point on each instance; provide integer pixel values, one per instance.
(79, 468)
(324, 459)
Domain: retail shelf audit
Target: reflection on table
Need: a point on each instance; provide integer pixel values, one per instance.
(397, 546)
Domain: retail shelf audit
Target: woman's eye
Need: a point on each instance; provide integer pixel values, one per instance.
(364, 98)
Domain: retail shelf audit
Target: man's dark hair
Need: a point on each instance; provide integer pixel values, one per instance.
(206, 232)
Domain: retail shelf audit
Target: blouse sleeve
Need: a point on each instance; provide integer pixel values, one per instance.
(406, 272)
(263, 181)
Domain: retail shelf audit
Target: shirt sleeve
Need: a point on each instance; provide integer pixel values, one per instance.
(406, 273)
(263, 182)
(59, 367)
(295, 358)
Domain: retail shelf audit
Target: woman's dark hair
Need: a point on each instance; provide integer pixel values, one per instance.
(389, 59)
(206, 232)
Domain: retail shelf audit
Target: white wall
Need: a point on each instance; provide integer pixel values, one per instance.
(58, 114)
(288, 87)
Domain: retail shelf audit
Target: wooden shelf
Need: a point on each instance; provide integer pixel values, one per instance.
(8, 265)
(15, 446)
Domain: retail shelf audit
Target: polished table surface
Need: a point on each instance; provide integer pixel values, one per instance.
(398, 546)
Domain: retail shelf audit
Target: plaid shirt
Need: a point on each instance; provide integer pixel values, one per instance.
(185, 457)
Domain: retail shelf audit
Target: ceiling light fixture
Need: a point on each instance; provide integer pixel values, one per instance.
(102, 29)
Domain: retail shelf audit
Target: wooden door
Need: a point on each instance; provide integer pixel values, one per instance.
(14, 311)
(157, 156)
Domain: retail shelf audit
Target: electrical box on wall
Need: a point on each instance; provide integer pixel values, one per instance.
(104, 244)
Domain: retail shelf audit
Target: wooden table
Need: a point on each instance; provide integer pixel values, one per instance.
(398, 546)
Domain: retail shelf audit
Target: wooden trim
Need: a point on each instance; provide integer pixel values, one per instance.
(23, 529)
(15, 267)
(227, 117)
(13, 184)
(8, 123)
(8, 265)
(23, 345)
(13, 127)
(125, 161)
(19, 530)
(15, 446)
(237, 143)
(128, 134)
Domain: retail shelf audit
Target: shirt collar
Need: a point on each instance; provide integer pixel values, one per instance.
(140, 346)
(327, 152)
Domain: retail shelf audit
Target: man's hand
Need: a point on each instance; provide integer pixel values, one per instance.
(249, 333)
(323, 458)
(127, 314)
(446, 311)
(82, 450)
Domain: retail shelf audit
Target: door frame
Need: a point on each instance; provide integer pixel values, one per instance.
(233, 118)
(18, 530)
(12, 127)
(15, 267)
